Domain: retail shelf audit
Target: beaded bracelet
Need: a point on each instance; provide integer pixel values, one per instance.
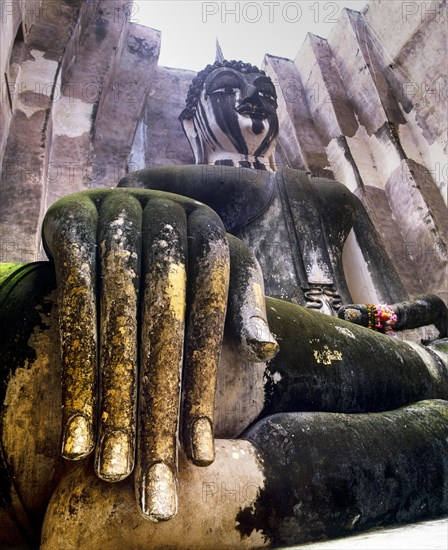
(386, 319)
(381, 318)
(371, 316)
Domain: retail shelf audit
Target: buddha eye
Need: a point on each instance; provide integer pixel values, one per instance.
(225, 90)
(230, 90)
(226, 84)
(267, 95)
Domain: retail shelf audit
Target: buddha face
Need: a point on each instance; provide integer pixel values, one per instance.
(235, 119)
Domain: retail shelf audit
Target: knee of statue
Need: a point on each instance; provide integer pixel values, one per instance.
(268, 425)
(153, 311)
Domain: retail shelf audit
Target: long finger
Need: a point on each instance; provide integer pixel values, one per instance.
(70, 236)
(208, 287)
(163, 326)
(120, 246)
(247, 307)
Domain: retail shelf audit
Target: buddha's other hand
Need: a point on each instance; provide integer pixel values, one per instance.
(136, 270)
(423, 310)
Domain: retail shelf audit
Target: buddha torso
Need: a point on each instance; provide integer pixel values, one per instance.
(295, 224)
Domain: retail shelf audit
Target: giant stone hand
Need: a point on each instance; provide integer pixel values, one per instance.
(136, 271)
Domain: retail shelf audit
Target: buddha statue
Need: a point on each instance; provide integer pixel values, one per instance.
(219, 388)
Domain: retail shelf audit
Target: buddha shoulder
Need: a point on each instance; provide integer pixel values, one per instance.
(329, 196)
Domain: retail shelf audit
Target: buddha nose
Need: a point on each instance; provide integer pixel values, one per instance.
(251, 94)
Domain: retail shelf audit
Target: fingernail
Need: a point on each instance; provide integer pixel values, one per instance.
(114, 459)
(260, 340)
(78, 438)
(158, 495)
(202, 444)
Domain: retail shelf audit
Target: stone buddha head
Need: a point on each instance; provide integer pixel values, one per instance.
(230, 116)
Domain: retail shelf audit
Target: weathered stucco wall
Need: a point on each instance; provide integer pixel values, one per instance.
(84, 101)
(77, 94)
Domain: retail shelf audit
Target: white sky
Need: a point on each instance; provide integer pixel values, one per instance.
(246, 30)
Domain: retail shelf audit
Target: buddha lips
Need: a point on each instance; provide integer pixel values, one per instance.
(381, 318)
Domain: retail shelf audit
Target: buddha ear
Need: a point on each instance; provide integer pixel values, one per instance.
(194, 138)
